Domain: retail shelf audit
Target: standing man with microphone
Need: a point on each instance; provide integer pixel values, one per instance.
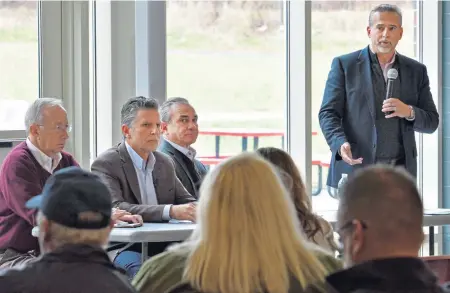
(374, 100)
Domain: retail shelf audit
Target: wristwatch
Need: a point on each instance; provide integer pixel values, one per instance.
(412, 116)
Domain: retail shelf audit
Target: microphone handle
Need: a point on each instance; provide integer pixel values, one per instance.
(390, 87)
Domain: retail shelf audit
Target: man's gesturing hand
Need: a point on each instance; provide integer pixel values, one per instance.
(183, 212)
(346, 154)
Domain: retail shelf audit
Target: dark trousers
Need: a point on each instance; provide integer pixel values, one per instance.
(129, 259)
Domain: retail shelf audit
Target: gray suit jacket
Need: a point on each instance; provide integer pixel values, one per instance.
(117, 170)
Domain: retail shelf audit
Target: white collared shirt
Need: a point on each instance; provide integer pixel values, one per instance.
(188, 152)
(144, 172)
(49, 164)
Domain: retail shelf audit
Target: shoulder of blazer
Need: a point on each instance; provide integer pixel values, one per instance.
(163, 146)
(162, 158)
(111, 155)
(352, 56)
(410, 62)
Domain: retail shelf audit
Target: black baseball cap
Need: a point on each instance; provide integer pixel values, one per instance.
(74, 198)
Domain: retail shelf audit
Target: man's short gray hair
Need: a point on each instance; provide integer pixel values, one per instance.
(385, 8)
(164, 110)
(34, 112)
(62, 235)
(133, 105)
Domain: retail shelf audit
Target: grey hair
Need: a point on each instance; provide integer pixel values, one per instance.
(34, 112)
(164, 110)
(62, 235)
(133, 105)
(385, 8)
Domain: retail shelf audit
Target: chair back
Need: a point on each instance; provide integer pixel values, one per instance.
(440, 265)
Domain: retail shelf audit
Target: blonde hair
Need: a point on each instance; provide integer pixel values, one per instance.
(247, 237)
(62, 235)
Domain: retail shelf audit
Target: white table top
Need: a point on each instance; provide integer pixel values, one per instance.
(149, 232)
(434, 217)
(167, 232)
(153, 232)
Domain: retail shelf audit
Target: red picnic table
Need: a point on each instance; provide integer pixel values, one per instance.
(245, 133)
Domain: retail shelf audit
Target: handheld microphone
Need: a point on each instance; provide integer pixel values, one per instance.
(391, 77)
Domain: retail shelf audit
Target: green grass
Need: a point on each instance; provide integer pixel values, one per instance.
(21, 34)
(19, 71)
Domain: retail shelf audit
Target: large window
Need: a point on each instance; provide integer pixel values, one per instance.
(339, 27)
(19, 61)
(228, 58)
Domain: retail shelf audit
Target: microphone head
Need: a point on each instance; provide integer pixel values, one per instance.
(392, 73)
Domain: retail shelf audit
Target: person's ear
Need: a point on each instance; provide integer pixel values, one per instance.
(164, 127)
(125, 131)
(357, 237)
(34, 129)
(44, 229)
(44, 225)
(368, 29)
(401, 33)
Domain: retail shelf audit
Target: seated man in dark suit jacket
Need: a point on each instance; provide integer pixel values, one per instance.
(180, 130)
(141, 180)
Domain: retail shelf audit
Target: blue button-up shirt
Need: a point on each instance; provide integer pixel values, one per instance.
(144, 174)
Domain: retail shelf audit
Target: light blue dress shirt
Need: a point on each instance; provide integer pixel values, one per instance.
(144, 174)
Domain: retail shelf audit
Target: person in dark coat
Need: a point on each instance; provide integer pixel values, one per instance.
(74, 225)
(380, 224)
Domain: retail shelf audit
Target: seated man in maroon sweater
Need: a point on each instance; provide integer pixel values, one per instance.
(23, 175)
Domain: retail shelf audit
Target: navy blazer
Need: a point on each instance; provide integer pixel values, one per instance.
(182, 170)
(347, 113)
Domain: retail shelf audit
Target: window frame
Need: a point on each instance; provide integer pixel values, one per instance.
(63, 68)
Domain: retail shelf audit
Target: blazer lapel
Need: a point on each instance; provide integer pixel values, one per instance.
(176, 155)
(365, 73)
(130, 172)
(157, 180)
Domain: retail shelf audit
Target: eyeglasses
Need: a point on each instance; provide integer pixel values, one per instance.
(60, 127)
(351, 223)
(348, 224)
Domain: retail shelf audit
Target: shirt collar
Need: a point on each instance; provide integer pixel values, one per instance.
(138, 162)
(188, 152)
(46, 162)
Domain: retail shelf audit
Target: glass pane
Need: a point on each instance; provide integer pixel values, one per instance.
(339, 27)
(93, 81)
(228, 59)
(19, 51)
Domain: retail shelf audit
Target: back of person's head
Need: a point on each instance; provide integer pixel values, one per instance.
(284, 161)
(247, 237)
(74, 208)
(380, 215)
